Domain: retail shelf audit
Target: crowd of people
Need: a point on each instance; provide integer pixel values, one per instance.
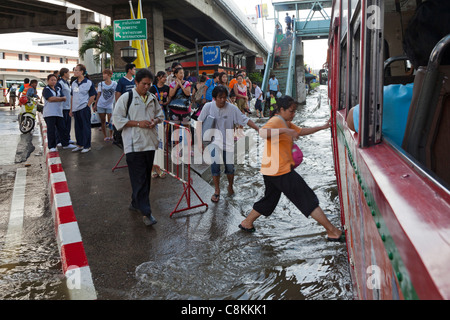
(140, 101)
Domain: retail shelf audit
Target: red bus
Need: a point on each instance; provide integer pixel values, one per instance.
(394, 197)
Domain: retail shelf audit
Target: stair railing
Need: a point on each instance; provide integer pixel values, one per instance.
(269, 65)
(290, 80)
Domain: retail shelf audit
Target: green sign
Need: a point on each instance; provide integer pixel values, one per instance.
(117, 75)
(131, 29)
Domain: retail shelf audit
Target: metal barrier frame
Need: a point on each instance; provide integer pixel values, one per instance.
(179, 170)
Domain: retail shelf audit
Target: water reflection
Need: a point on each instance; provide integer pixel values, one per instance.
(287, 258)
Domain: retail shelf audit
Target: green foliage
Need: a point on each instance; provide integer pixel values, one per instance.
(174, 49)
(256, 77)
(102, 41)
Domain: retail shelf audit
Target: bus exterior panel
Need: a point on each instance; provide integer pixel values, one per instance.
(395, 214)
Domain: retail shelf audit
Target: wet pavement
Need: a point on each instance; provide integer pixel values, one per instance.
(202, 254)
(30, 265)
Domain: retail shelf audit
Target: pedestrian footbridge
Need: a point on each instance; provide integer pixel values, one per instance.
(290, 70)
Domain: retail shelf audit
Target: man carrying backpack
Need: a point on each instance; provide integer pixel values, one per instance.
(12, 96)
(137, 113)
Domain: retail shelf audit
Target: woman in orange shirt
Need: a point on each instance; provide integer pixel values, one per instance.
(279, 175)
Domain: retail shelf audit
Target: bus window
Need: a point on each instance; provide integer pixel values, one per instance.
(355, 68)
(343, 77)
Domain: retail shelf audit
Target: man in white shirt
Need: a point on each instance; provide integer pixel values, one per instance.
(226, 116)
(259, 99)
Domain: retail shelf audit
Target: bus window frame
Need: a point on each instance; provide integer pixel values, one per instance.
(343, 75)
(372, 70)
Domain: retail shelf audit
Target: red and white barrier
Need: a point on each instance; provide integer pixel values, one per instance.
(173, 156)
(73, 257)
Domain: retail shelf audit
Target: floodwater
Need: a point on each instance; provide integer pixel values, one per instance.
(30, 266)
(287, 258)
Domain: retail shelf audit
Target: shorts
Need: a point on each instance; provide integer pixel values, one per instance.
(184, 118)
(294, 188)
(242, 104)
(258, 105)
(104, 110)
(227, 159)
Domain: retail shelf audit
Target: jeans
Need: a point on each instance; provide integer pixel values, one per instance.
(227, 159)
(83, 127)
(140, 169)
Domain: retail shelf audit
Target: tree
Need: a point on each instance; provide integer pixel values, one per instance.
(102, 40)
(174, 49)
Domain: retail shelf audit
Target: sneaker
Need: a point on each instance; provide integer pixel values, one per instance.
(59, 145)
(85, 150)
(149, 220)
(77, 149)
(53, 150)
(70, 146)
(72, 142)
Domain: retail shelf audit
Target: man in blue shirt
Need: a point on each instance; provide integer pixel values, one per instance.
(274, 86)
(209, 87)
(126, 83)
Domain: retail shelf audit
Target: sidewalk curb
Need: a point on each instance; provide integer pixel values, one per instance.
(75, 265)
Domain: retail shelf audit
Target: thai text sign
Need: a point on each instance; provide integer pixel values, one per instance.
(212, 55)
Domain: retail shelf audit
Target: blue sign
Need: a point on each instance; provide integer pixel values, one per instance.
(212, 55)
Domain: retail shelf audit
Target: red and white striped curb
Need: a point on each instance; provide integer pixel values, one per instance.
(73, 257)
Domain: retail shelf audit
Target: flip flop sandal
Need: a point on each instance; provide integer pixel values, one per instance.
(215, 198)
(247, 229)
(162, 175)
(155, 174)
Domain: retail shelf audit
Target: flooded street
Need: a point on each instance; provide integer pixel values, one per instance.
(193, 256)
(287, 258)
(30, 265)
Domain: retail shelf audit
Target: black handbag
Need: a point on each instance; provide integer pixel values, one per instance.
(180, 102)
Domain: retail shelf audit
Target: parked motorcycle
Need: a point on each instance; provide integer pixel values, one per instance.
(27, 115)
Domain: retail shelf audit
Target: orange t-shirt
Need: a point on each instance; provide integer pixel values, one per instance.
(277, 157)
(234, 81)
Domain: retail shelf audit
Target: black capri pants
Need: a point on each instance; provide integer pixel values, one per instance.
(294, 188)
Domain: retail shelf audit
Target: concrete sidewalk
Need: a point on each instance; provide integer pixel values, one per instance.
(116, 240)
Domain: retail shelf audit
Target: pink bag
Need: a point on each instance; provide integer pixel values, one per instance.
(297, 155)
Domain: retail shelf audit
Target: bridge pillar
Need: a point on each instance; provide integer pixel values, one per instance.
(300, 72)
(88, 60)
(155, 36)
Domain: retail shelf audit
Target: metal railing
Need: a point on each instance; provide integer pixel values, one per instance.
(269, 65)
(290, 80)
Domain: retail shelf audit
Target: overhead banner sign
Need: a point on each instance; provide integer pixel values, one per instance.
(259, 63)
(131, 29)
(212, 55)
(262, 10)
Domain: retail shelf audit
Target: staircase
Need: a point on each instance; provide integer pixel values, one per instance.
(282, 71)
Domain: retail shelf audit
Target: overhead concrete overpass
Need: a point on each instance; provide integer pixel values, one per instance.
(168, 21)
